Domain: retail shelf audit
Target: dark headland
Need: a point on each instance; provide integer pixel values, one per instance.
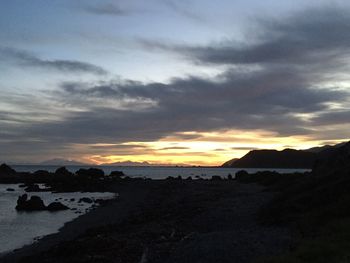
(261, 217)
(287, 158)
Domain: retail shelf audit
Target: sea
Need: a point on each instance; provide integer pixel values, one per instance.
(18, 229)
(158, 172)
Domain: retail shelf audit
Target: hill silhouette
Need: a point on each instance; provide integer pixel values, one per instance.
(287, 158)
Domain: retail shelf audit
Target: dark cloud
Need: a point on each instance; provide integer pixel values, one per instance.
(337, 117)
(24, 58)
(244, 148)
(269, 100)
(305, 38)
(118, 146)
(106, 9)
(174, 148)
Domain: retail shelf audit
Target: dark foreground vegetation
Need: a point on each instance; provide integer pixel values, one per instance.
(315, 205)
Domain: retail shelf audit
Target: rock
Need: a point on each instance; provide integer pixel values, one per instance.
(62, 171)
(90, 173)
(22, 185)
(32, 188)
(189, 178)
(241, 174)
(72, 199)
(101, 202)
(229, 177)
(85, 200)
(6, 170)
(216, 178)
(56, 206)
(41, 173)
(35, 203)
(10, 190)
(22, 198)
(117, 174)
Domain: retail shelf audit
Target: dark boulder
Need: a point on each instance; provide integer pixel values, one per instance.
(117, 174)
(32, 188)
(63, 172)
(41, 173)
(10, 190)
(86, 200)
(6, 170)
(56, 206)
(229, 177)
(90, 173)
(241, 174)
(35, 203)
(216, 178)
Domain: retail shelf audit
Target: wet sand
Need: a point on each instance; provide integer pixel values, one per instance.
(166, 221)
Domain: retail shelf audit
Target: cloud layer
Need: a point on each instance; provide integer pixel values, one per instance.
(283, 79)
(27, 59)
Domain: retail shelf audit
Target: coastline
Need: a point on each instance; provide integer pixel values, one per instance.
(127, 201)
(197, 219)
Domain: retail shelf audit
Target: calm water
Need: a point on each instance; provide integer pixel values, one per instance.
(157, 172)
(21, 228)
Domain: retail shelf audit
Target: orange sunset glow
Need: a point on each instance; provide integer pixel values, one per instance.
(204, 149)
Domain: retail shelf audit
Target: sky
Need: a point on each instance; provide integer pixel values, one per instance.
(171, 81)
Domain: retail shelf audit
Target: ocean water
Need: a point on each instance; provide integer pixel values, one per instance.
(21, 228)
(158, 172)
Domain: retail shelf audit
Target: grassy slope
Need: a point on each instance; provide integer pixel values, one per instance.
(318, 209)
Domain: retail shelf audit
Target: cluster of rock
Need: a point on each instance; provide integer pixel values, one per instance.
(35, 203)
(213, 178)
(62, 180)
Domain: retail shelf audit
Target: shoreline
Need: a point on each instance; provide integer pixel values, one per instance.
(20, 228)
(195, 216)
(93, 218)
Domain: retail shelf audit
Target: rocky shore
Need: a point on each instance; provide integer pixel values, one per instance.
(167, 221)
(62, 180)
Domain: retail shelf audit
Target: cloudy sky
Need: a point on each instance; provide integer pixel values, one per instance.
(171, 81)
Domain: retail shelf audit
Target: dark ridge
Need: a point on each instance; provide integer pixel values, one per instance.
(287, 158)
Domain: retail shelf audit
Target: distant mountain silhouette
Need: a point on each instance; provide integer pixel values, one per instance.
(288, 158)
(144, 163)
(127, 163)
(61, 162)
(230, 162)
(325, 148)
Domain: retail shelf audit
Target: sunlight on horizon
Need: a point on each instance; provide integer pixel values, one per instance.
(204, 149)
